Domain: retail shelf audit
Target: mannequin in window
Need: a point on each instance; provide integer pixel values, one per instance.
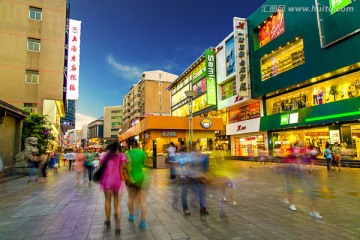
(351, 91)
(320, 97)
(315, 96)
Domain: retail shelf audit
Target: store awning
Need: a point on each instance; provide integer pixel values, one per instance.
(172, 123)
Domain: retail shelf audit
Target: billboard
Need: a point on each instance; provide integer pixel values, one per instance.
(230, 56)
(73, 60)
(273, 28)
(241, 44)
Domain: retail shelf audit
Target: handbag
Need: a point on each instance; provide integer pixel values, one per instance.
(124, 173)
(99, 172)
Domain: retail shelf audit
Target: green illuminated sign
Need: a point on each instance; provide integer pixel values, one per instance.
(210, 78)
(284, 119)
(336, 5)
(332, 116)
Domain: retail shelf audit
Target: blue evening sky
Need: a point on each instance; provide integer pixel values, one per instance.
(123, 38)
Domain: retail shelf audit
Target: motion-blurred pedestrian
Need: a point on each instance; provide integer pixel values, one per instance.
(111, 182)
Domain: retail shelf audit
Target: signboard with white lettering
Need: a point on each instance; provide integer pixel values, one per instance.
(73, 60)
(336, 5)
(210, 79)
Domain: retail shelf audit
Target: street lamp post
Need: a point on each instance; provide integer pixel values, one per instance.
(190, 95)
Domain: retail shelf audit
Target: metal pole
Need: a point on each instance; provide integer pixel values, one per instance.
(190, 123)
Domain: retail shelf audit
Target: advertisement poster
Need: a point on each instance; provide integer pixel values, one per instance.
(336, 5)
(272, 28)
(228, 90)
(244, 113)
(200, 87)
(230, 56)
(237, 146)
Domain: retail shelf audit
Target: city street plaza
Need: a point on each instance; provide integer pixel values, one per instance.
(59, 209)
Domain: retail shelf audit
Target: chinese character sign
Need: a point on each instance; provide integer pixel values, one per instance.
(73, 60)
(241, 57)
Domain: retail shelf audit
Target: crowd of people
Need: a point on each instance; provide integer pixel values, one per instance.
(189, 170)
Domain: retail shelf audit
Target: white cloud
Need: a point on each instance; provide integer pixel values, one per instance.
(82, 119)
(129, 72)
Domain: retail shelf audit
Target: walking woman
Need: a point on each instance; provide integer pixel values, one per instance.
(111, 182)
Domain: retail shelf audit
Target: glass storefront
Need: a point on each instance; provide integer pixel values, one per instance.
(283, 59)
(248, 145)
(337, 89)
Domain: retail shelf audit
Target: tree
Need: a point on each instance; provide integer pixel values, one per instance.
(36, 125)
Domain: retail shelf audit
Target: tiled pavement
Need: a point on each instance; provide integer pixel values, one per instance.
(59, 209)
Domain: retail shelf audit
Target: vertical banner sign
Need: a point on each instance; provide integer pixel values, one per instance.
(242, 57)
(73, 61)
(210, 78)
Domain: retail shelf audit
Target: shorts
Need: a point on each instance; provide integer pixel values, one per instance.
(337, 158)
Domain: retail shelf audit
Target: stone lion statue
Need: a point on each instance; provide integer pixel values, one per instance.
(23, 158)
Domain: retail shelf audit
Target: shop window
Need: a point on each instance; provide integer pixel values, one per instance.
(32, 107)
(35, 13)
(340, 88)
(228, 89)
(32, 77)
(283, 59)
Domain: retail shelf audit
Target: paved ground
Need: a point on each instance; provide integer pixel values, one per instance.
(59, 209)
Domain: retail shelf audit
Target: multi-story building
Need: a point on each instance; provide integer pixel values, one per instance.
(306, 68)
(32, 38)
(113, 116)
(148, 97)
(96, 133)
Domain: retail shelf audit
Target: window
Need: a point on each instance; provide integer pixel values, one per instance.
(35, 13)
(31, 106)
(160, 84)
(160, 91)
(160, 108)
(115, 129)
(33, 44)
(114, 136)
(160, 99)
(32, 77)
(116, 111)
(116, 117)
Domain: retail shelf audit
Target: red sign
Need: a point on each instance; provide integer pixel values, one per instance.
(240, 128)
(244, 113)
(273, 28)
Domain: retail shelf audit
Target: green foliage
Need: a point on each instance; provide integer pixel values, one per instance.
(36, 125)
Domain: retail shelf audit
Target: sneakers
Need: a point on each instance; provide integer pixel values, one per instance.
(292, 207)
(315, 215)
(234, 203)
(187, 212)
(286, 201)
(131, 218)
(224, 199)
(143, 225)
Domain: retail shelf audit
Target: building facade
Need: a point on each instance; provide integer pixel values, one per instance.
(113, 116)
(147, 98)
(304, 67)
(32, 37)
(10, 127)
(95, 134)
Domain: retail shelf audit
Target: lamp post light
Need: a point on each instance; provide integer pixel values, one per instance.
(190, 95)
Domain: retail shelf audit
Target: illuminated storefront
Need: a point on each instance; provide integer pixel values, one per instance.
(310, 83)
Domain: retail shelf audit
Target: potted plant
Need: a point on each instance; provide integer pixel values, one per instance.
(333, 91)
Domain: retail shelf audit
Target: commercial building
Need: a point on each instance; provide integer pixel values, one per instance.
(306, 68)
(241, 113)
(95, 134)
(113, 116)
(32, 39)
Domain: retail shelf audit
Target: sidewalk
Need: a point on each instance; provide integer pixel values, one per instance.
(59, 209)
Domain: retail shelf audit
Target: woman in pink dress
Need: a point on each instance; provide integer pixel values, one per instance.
(111, 182)
(79, 165)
